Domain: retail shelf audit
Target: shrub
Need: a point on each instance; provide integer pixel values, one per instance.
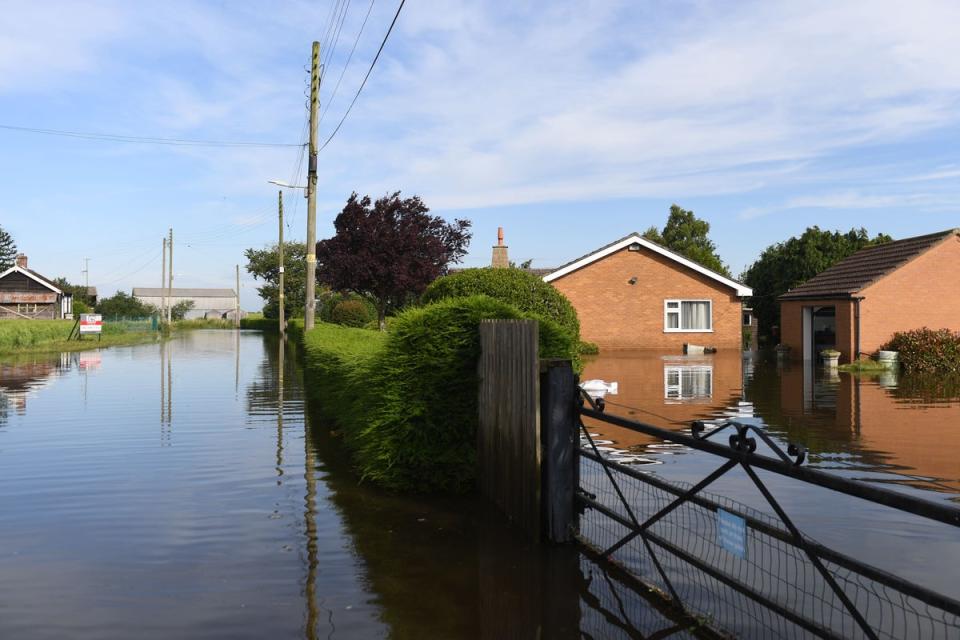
(927, 350)
(523, 290)
(406, 401)
(588, 348)
(353, 313)
(79, 306)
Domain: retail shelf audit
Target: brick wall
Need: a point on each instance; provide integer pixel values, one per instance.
(791, 326)
(618, 315)
(923, 292)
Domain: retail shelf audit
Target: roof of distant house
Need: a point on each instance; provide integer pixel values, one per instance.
(157, 292)
(636, 238)
(30, 273)
(857, 272)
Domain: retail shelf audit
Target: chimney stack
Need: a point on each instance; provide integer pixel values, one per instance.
(500, 259)
(22, 261)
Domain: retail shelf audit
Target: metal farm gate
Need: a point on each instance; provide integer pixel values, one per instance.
(745, 571)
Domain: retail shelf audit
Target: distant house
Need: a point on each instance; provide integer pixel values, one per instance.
(636, 294)
(859, 303)
(206, 302)
(24, 293)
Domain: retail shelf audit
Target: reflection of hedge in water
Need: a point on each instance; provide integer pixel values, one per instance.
(406, 401)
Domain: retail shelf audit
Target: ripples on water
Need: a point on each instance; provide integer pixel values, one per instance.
(172, 491)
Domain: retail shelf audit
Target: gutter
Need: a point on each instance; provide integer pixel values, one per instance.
(856, 325)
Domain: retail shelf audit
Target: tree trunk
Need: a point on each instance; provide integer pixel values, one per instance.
(382, 316)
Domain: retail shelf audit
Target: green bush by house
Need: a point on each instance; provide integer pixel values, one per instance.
(405, 401)
(927, 350)
(353, 313)
(521, 289)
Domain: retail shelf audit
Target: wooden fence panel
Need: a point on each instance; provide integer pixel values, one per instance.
(508, 438)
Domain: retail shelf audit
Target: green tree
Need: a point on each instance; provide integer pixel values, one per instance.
(263, 264)
(688, 235)
(8, 250)
(78, 290)
(179, 310)
(787, 264)
(122, 304)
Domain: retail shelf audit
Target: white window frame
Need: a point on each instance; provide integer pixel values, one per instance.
(679, 329)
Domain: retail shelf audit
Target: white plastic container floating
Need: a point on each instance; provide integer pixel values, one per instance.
(599, 388)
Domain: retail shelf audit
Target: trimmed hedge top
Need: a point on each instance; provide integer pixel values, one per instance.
(516, 287)
(406, 401)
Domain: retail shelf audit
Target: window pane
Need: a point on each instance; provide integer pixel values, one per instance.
(673, 305)
(695, 316)
(673, 320)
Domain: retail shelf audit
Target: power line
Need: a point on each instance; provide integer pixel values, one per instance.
(346, 64)
(113, 137)
(336, 40)
(365, 78)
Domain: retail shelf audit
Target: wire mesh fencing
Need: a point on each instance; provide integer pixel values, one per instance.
(777, 583)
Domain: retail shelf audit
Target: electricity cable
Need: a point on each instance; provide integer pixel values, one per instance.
(365, 78)
(343, 71)
(113, 137)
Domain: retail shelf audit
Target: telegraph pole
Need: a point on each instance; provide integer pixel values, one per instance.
(237, 321)
(283, 320)
(86, 274)
(170, 280)
(163, 289)
(312, 190)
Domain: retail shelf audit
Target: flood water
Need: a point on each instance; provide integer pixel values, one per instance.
(898, 431)
(177, 490)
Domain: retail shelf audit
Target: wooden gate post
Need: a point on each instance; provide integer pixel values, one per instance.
(559, 442)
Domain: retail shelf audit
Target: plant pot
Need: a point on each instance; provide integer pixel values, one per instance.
(831, 359)
(889, 359)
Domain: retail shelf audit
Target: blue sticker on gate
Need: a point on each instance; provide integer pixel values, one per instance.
(732, 533)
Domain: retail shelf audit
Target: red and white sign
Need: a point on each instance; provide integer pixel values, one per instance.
(91, 323)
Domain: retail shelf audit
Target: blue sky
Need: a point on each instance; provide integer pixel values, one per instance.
(570, 124)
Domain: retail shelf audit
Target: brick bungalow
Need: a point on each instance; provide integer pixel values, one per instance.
(24, 293)
(636, 294)
(859, 303)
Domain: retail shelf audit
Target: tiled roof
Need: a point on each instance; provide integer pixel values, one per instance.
(865, 267)
(596, 254)
(156, 292)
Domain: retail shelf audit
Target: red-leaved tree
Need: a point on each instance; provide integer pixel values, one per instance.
(389, 250)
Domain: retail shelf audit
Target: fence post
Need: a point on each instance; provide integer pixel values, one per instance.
(559, 442)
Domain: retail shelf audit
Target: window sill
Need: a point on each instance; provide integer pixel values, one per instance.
(688, 330)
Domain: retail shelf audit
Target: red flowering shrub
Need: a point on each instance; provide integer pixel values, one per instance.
(927, 350)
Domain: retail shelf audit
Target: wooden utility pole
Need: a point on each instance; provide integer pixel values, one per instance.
(237, 321)
(163, 284)
(86, 274)
(283, 319)
(312, 190)
(170, 280)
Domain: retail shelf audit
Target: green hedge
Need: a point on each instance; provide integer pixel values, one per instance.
(516, 287)
(260, 323)
(927, 350)
(406, 401)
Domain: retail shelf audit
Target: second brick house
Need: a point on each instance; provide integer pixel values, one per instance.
(635, 294)
(857, 305)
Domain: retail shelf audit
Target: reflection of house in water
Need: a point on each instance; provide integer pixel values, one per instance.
(687, 382)
(878, 421)
(23, 376)
(666, 390)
